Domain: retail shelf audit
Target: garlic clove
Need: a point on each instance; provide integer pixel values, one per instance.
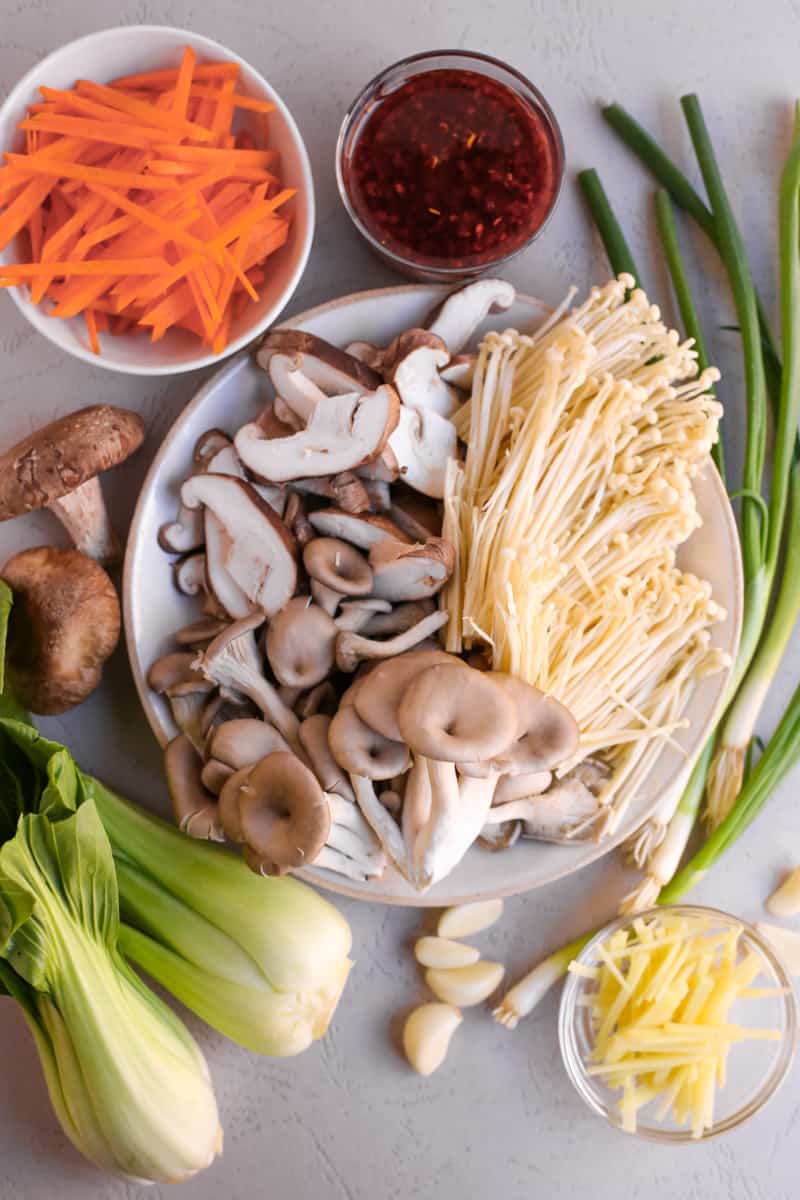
(444, 953)
(427, 1034)
(465, 986)
(465, 919)
(785, 900)
(785, 942)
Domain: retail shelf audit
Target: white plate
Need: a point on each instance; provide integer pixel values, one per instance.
(154, 608)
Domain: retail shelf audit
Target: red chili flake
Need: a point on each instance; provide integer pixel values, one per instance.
(456, 142)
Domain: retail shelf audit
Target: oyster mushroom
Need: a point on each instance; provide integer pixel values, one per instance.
(281, 813)
(187, 691)
(196, 812)
(215, 775)
(314, 740)
(459, 315)
(411, 364)
(515, 787)
(320, 699)
(377, 696)
(345, 490)
(450, 713)
(355, 615)
(403, 572)
(232, 662)
(547, 733)
(352, 648)
(258, 552)
(458, 811)
(243, 741)
(338, 567)
(57, 467)
(360, 750)
(200, 632)
(342, 433)
(296, 519)
(397, 619)
(423, 443)
(63, 625)
(362, 530)
(500, 837)
(301, 643)
(566, 812)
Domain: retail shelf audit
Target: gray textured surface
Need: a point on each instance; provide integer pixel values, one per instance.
(348, 1121)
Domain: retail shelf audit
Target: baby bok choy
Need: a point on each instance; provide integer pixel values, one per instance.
(127, 1081)
(263, 961)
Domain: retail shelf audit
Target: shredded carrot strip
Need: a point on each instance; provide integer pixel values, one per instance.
(237, 100)
(157, 80)
(36, 233)
(94, 266)
(91, 326)
(100, 131)
(20, 212)
(138, 108)
(221, 125)
(183, 83)
(90, 174)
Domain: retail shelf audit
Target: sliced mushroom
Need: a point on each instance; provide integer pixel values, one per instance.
(314, 739)
(196, 812)
(460, 371)
(547, 733)
(225, 461)
(411, 364)
(377, 696)
(379, 494)
(361, 751)
(334, 371)
(207, 446)
(363, 530)
(343, 432)
(403, 572)
(418, 516)
(459, 315)
(243, 741)
(296, 519)
(356, 615)
(388, 620)
(232, 662)
(260, 555)
(424, 442)
(346, 490)
(352, 648)
(450, 713)
(338, 565)
(282, 812)
(301, 643)
(57, 467)
(299, 393)
(184, 533)
(383, 469)
(366, 353)
(189, 574)
(224, 589)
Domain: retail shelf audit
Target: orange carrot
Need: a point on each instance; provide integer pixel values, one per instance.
(138, 108)
(158, 80)
(100, 131)
(91, 326)
(183, 83)
(237, 100)
(93, 266)
(20, 211)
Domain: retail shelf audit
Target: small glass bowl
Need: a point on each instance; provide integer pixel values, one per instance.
(394, 77)
(755, 1069)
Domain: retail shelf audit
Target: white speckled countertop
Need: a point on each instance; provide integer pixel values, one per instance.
(348, 1120)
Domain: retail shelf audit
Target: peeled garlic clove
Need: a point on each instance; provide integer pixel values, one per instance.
(785, 900)
(427, 1034)
(465, 986)
(785, 942)
(443, 953)
(465, 919)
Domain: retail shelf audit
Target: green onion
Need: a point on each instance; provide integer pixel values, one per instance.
(665, 222)
(617, 249)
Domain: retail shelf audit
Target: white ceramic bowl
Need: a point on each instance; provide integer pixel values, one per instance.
(154, 609)
(123, 51)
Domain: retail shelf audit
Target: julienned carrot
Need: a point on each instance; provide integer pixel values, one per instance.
(143, 206)
(237, 100)
(156, 81)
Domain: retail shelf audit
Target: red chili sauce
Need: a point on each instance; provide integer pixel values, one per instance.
(453, 168)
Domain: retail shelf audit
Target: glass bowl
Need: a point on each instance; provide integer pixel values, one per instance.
(755, 1068)
(432, 268)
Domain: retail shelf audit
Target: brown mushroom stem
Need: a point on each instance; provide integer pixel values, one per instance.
(84, 515)
(416, 809)
(381, 822)
(433, 854)
(314, 739)
(215, 775)
(397, 619)
(356, 615)
(327, 599)
(352, 648)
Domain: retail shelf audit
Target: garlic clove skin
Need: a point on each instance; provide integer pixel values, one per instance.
(785, 900)
(427, 1034)
(444, 954)
(466, 919)
(785, 942)
(465, 986)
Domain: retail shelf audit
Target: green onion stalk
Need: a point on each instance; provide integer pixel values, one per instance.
(780, 755)
(738, 727)
(611, 235)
